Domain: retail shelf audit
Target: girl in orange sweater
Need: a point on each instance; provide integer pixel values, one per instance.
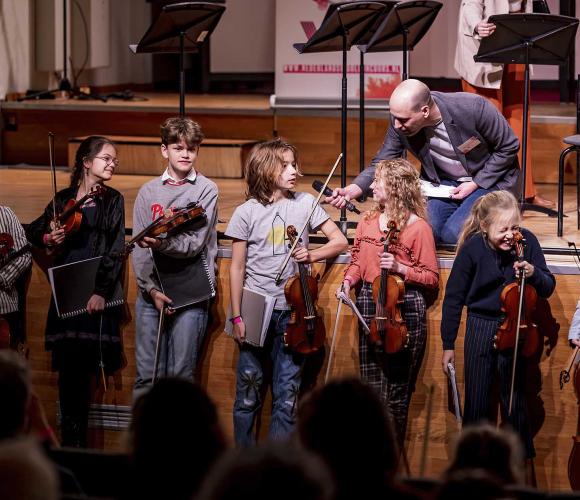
(397, 195)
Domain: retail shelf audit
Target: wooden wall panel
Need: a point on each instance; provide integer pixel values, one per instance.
(558, 407)
(24, 138)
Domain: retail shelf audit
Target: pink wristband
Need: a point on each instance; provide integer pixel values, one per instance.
(236, 320)
(349, 279)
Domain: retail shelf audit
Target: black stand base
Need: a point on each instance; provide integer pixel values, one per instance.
(524, 207)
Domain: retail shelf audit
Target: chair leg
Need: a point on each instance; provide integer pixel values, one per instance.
(563, 155)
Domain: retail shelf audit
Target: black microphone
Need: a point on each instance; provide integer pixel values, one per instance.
(317, 185)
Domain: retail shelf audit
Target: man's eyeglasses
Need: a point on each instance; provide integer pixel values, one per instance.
(109, 160)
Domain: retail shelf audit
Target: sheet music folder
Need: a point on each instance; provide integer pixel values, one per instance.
(73, 285)
(185, 281)
(256, 311)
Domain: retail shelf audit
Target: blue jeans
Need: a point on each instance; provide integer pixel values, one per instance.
(286, 378)
(447, 216)
(181, 341)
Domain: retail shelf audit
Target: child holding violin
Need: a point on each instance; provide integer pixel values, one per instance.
(260, 245)
(398, 198)
(87, 344)
(179, 185)
(484, 264)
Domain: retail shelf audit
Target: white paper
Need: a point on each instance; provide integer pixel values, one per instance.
(433, 191)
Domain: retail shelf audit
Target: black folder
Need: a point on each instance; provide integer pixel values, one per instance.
(73, 285)
(185, 281)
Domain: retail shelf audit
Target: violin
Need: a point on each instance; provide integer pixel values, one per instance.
(518, 303)
(388, 329)
(192, 213)
(71, 217)
(518, 330)
(305, 332)
(565, 377)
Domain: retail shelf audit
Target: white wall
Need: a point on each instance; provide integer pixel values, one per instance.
(243, 41)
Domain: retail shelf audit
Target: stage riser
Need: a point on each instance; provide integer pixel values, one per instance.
(553, 441)
(317, 138)
(224, 158)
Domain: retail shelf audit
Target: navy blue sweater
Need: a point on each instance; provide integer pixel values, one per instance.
(478, 276)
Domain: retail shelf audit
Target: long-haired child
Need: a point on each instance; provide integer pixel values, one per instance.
(258, 228)
(83, 345)
(397, 195)
(483, 266)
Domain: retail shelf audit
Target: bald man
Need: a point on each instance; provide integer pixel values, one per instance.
(461, 140)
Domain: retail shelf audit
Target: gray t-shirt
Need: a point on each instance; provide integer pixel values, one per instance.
(264, 230)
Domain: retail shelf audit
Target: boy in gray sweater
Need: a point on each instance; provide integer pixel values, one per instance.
(179, 185)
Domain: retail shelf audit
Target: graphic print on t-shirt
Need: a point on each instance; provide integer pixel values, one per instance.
(278, 235)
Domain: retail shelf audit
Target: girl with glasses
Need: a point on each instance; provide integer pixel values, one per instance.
(87, 344)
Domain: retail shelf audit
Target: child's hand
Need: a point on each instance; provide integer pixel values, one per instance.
(95, 304)
(388, 262)
(576, 342)
(240, 332)
(148, 242)
(448, 357)
(160, 300)
(345, 287)
(55, 237)
(526, 266)
(301, 254)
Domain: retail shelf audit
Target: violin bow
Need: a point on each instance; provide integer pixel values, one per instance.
(158, 345)
(522, 286)
(53, 173)
(314, 205)
(333, 342)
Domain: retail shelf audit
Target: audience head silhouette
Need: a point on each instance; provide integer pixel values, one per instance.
(346, 425)
(176, 439)
(15, 389)
(262, 473)
(496, 451)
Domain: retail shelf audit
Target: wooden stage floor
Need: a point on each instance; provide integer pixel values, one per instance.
(28, 190)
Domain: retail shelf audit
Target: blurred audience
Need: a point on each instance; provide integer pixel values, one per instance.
(276, 471)
(176, 438)
(496, 451)
(346, 425)
(25, 471)
(474, 484)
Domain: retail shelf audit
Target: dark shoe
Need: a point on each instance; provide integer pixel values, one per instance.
(540, 201)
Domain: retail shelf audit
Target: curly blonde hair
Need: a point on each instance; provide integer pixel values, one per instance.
(485, 211)
(264, 166)
(403, 189)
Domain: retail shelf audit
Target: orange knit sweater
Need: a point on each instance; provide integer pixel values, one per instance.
(415, 248)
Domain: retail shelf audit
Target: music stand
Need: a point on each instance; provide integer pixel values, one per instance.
(343, 25)
(179, 28)
(403, 26)
(528, 39)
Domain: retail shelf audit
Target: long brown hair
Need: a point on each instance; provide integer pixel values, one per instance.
(485, 211)
(403, 190)
(263, 168)
(88, 150)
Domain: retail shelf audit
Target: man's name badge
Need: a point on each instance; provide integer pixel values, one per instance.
(469, 144)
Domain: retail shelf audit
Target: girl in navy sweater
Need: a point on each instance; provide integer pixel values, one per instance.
(485, 263)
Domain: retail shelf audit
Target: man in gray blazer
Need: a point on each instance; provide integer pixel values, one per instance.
(461, 141)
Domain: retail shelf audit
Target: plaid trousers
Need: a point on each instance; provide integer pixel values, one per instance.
(393, 376)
